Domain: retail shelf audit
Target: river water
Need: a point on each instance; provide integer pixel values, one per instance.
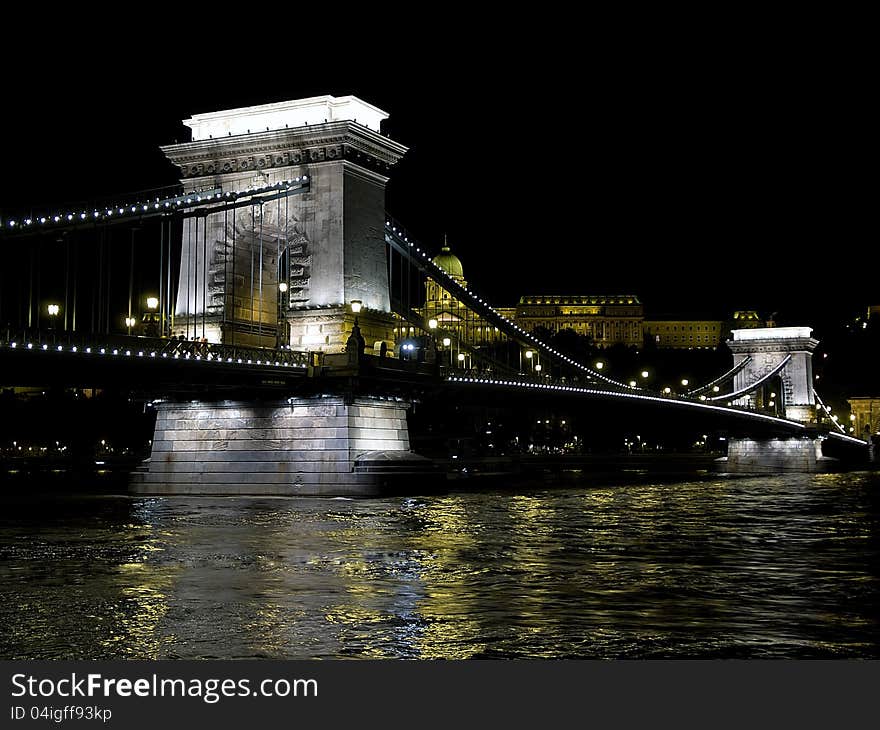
(718, 567)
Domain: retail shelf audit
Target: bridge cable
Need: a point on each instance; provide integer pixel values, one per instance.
(75, 275)
(753, 386)
(233, 275)
(109, 287)
(253, 228)
(206, 277)
(721, 378)
(260, 313)
(395, 237)
(130, 278)
(161, 277)
(828, 412)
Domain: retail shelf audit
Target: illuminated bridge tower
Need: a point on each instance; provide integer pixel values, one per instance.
(286, 271)
(787, 354)
(324, 247)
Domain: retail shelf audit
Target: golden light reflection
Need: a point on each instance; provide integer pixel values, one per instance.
(449, 609)
(143, 591)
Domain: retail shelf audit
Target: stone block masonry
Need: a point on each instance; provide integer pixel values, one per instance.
(774, 456)
(300, 446)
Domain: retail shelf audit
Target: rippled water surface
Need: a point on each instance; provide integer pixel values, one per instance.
(758, 567)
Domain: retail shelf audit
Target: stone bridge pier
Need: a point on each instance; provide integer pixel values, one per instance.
(765, 349)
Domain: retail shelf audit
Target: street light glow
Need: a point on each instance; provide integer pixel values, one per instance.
(432, 324)
(644, 373)
(152, 303)
(356, 305)
(282, 287)
(446, 342)
(53, 310)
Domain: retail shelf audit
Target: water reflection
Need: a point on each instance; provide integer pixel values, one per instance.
(765, 567)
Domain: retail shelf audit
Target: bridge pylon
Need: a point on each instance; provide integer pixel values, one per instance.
(766, 348)
(780, 359)
(286, 271)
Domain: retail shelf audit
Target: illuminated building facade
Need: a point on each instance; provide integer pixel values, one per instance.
(684, 333)
(607, 319)
(867, 416)
(697, 334)
(447, 313)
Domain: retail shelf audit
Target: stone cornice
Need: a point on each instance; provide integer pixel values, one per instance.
(286, 147)
(788, 344)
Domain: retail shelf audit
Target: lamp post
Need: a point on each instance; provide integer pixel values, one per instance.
(129, 323)
(151, 327)
(447, 352)
(282, 319)
(53, 310)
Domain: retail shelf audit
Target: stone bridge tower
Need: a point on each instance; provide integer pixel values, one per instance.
(325, 247)
(768, 347)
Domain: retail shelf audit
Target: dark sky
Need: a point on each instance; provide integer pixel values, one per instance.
(703, 176)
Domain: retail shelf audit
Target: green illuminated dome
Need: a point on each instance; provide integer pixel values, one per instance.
(449, 262)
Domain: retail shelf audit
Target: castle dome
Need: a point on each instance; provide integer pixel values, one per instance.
(449, 262)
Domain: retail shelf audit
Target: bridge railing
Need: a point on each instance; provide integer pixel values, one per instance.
(162, 347)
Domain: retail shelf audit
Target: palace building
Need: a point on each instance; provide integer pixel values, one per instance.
(607, 319)
(443, 312)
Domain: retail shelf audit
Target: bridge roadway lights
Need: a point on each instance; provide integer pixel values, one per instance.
(297, 446)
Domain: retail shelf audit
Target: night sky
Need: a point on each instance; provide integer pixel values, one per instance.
(703, 177)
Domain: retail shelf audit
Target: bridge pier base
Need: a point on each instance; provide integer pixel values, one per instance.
(326, 446)
(774, 456)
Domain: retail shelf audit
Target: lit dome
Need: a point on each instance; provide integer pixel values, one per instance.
(449, 262)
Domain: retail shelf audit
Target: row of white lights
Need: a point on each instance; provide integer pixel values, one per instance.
(631, 385)
(637, 396)
(520, 330)
(166, 203)
(141, 353)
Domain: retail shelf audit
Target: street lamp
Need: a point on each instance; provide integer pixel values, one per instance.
(644, 373)
(446, 342)
(130, 322)
(356, 305)
(432, 324)
(53, 310)
(151, 320)
(685, 381)
(600, 365)
(282, 287)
